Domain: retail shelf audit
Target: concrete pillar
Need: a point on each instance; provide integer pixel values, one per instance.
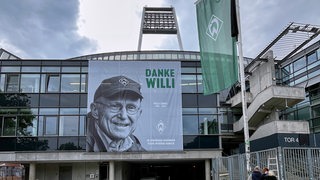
(32, 171)
(111, 170)
(208, 170)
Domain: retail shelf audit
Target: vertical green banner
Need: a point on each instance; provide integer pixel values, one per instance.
(217, 47)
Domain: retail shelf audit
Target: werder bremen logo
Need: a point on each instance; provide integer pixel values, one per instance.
(214, 27)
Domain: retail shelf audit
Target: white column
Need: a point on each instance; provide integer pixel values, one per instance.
(208, 171)
(111, 170)
(32, 171)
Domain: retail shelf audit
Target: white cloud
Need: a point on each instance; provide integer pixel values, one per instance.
(78, 27)
(262, 21)
(115, 24)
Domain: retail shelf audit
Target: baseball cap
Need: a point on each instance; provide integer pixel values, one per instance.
(114, 85)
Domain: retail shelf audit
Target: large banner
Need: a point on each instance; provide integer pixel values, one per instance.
(134, 106)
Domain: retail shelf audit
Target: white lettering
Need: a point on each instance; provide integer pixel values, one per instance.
(290, 139)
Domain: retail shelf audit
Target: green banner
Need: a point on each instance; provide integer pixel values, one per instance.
(217, 47)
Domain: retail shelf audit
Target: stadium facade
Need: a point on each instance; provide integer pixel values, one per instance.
(44, 106)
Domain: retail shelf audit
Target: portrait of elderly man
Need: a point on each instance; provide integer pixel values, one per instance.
(113, 116)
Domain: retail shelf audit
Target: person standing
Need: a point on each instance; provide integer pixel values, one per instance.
(256, 174)
(265, 172)
(271, 176)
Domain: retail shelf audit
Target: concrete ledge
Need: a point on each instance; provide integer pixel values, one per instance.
(236, 101)
(51, 157)
(289, 127)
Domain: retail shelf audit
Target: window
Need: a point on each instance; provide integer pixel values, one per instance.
(149, 56)
(2, 82)
(69, 126)
(130, 57)
(69, 100)
(30, 69)
(123, 57)
(30, 83)
(174, 56)
(70, 83)
(199, 83)
(303, 113)
(32, 130)
(194, 57)
(207, 110)
(83, 83)
(27, 125)
(188, 83)
(190, 124)
(48, 111)
(50, 83)
(316, 111)
(155, 56)
(167, 56)
(65, 111)
(50, 69)
(286, 71)
(10, 69)
(300, 63)
(9, 126)
(82, 125)
(187, 56)
(69, 143)
(12, 83)
(208, 121)
(49, 100)
(189, 111)
(50, 125)
(84, 69)
(117, 57)
(189, 100)
(161, 56)
(199, 70)
(188, 70)
(207, 101)
(312, 58)
(71, 69)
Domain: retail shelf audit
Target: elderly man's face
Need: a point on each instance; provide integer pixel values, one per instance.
(118, 116)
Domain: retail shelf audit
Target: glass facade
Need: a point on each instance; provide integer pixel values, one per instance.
(301, 71)
(44, 103)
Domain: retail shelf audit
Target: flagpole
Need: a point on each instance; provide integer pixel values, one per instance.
(243, 92)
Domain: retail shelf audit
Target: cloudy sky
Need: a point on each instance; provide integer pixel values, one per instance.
(64, 29)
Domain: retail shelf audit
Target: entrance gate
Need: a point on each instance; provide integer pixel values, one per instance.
(285, 162)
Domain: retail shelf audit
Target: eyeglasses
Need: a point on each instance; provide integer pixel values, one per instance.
(116, 107)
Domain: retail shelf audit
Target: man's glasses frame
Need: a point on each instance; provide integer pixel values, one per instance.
(117, 107)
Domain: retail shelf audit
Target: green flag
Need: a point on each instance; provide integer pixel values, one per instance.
(217, 47)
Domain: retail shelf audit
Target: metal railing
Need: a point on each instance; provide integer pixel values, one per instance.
(287, 163)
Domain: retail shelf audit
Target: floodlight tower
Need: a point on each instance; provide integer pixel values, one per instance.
(159, 20)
